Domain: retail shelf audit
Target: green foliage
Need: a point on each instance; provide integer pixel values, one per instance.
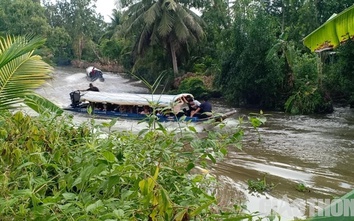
(206, 65)
(260, 185)
(339, 72)
(307, 95)
(246, 77)
(151, 65)
(302, 188)
(115, 49)
(193, 85)
(166, 24)
(21, 72)
(75, 21)
(23, 17)
(58, 171)
(257, 120)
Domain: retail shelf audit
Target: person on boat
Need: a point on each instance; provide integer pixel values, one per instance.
(93, 74)
(177, 107)
(193, 105)
(146, 110)
(92, 88)
(204, 109)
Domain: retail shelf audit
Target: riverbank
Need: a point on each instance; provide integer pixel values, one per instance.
(313, 150)
(205, 89)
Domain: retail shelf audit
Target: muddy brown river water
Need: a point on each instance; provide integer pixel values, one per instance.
(316, 151)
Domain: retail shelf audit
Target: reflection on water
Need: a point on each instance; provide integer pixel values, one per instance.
(314, 150)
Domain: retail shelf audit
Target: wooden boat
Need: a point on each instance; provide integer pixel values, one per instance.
(136, 106)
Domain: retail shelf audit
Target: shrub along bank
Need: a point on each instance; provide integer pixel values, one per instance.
(52, 169)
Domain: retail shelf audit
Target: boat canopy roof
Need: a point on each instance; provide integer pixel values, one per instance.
(162, 100)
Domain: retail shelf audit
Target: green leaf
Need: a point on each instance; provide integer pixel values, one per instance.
(24, 165)
(126, 194)
(94, 206)
(119, 213)
(109, 156)
(143, 131)
(146, 186)
(164, 202)
(69, 196)
(42, 105)
(24, 192)
(223, 150)
(201, 208)
(3, 134)
(65, 207)
(190, 166)
(211, 158)
(179, 216)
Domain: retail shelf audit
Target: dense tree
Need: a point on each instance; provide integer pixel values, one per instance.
(163, 22)
(20, 17)
(339, 72)
(246, 77)
(80, 21)
(206, 56)
(253, 47)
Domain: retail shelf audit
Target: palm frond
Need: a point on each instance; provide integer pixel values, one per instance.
(152, 13)
(20, 71)
(13, 47)
(41, 105)
(163, 21)
(143, 40)
(182, 32)
(165, 25)
(191, 21)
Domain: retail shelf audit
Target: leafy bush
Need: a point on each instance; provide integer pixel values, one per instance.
(52, 169)
(302, 188)
(260, 185)
(308, 95)
(193, 85)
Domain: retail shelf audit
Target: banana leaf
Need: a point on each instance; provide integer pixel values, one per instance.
(336, 30)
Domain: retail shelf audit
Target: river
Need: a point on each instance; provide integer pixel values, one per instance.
(314, 150)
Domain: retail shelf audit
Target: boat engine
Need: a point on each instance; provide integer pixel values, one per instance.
(75, 98)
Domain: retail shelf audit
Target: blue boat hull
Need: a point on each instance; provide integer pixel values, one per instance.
(132, 116)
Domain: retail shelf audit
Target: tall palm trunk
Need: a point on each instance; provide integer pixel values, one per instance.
(174, 59)
(165, 22)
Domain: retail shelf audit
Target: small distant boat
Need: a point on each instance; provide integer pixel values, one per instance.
(136, 106)
(92, 74)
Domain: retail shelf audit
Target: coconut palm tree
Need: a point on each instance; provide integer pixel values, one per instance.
(165, 22)
(21, 72)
